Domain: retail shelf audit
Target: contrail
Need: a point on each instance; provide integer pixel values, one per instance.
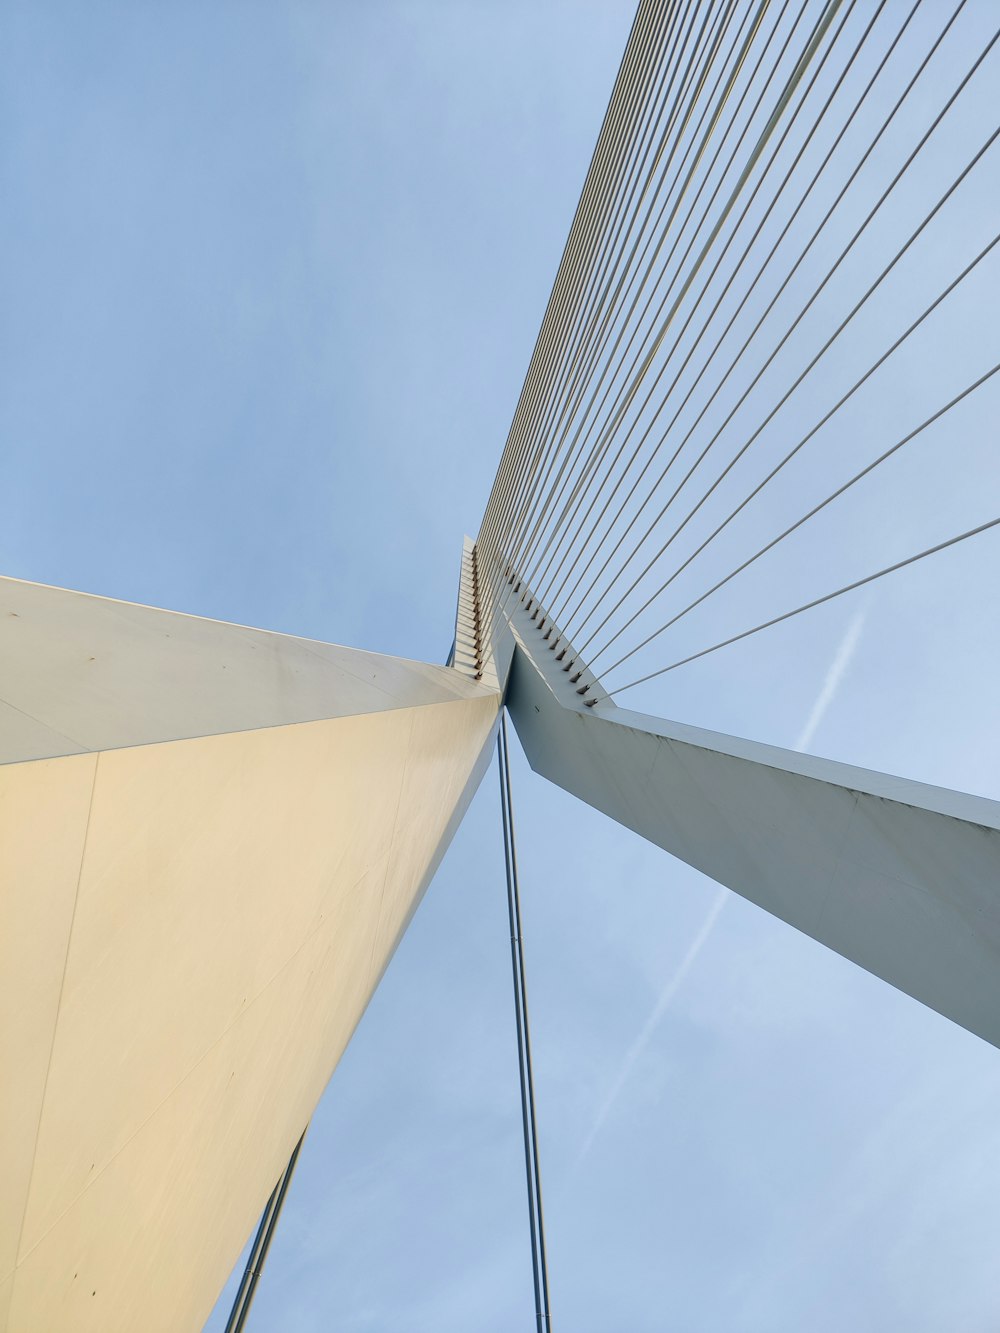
(831, 684)
(834, 676)
(649, 1027)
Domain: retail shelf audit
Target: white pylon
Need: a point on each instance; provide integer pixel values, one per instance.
(211, 841)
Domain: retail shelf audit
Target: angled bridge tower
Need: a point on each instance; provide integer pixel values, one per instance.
(213, 837)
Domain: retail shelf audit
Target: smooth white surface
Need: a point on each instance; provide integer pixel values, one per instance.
(82, 673)
(191, 932)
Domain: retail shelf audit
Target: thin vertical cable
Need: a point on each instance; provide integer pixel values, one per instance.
(261, 1244)
(539, 1263)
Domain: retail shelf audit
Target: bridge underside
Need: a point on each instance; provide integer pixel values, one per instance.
(213, 838)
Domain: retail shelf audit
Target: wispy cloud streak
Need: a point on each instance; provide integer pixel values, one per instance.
(836, 673)
(652, 1022)
(834, 677)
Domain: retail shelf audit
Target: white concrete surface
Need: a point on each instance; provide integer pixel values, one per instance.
(81, 673)
(191, 926)
(900, 877)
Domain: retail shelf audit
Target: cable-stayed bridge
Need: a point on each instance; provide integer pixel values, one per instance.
(768, 266)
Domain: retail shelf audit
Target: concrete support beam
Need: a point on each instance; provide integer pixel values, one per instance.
(900, 877)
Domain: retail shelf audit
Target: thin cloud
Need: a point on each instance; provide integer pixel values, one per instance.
(652, 1022)
(838, 669)
(834, 677)
(836, 673)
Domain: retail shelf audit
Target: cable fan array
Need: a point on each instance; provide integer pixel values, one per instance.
(774, 289)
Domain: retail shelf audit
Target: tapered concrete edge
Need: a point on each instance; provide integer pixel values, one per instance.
(83, 674)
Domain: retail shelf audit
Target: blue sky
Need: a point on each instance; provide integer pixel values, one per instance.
(271, 278)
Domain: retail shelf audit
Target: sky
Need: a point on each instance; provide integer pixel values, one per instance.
(270, 277)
